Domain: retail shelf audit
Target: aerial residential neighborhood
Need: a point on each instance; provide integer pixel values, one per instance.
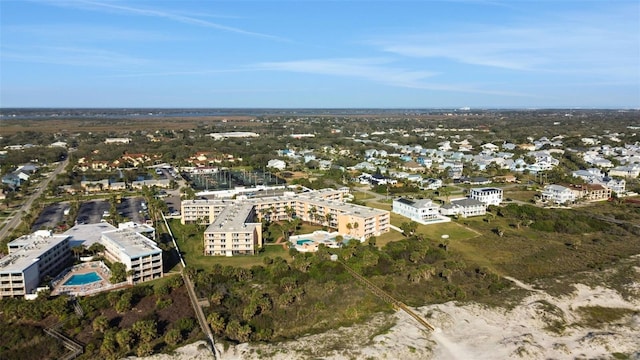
(168, 210)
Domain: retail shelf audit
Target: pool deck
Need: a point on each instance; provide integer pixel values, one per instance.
(59, 287)
(310, 242)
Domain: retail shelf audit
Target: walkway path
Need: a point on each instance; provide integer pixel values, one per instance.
(197, 308)
(387, 298)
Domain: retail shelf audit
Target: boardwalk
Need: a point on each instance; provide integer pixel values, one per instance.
(388, 298)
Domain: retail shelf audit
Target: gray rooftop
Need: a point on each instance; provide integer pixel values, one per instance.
(131, 243)
(88, 234)
(32, 247)
(236, 217)
(467, 202)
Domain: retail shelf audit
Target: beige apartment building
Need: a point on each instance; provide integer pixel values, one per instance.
(324, 207)
(234, 232)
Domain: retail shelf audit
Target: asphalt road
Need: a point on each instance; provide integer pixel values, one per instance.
(17, 218)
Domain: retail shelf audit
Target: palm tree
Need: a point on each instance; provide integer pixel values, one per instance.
(289, 211)
(328, 217)
(312, 213)
(77, 251)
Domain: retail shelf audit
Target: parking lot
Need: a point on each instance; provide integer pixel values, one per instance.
(173, 203)
(50, 216)
(131, 208)
(91, 212)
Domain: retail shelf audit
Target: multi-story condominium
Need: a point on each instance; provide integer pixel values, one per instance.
(325, 207)
(234, 232)
(464, 207)
(487, 195)
(202, 211)
(558, 194)
(591, 192)
(420, 210)
(141, 257)
(31, 258)
(361, 221)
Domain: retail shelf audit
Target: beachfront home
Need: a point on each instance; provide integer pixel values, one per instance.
(487, 195)
(419, 210)
(464, 208)
(558, 194)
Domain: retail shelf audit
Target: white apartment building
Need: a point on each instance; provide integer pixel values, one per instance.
(31, 258)
(420, 210)
(141, 257)
(558, 194)
(487, 195)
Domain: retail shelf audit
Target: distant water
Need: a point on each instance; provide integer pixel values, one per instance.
(48, 113)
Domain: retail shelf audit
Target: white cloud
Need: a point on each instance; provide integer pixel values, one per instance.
(173, 16)
(72, 56)
(369, 69)
(375, 70)
(605, 44)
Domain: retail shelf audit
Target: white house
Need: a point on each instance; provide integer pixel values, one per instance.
(631, 171)
(464, 207)
(558, 194)
(277, 164)
(487, 195)
(420, 210)
(432, 184)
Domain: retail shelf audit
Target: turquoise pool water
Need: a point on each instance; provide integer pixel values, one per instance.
(304, 241)
(83, 279)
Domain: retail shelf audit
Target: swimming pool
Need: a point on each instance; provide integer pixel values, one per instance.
(83, 279)
(304, 241)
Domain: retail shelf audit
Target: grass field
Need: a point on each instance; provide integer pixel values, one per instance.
(519, 194)
(191, 246)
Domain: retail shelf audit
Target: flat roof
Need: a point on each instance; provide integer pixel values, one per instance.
(233, 218)
(131, 243)
(483, 189)
(88, 234)
(316, 198)
(33, 246)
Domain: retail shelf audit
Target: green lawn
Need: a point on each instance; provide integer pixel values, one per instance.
(521, 195)
(191, 244)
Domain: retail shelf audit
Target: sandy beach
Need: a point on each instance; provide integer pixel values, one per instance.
(541, 326)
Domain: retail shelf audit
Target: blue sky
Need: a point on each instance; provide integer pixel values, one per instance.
(344, 54)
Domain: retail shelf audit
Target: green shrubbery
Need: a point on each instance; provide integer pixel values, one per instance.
(280, 300)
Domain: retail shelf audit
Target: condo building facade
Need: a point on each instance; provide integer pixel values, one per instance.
(323, 207)
(31, 258)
